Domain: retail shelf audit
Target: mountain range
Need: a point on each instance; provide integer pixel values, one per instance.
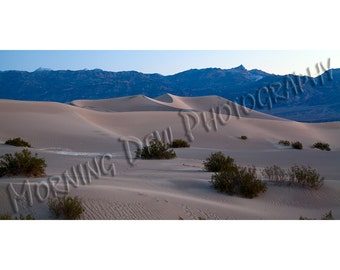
(299, 98)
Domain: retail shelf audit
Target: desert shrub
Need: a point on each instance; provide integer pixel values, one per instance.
(5, 216)
(274, 173)
(66, 207)
(297, 145)
(225, 181)
(250, 186)
(8, 216)
(322, 146)
(244, 137)
(232, 179)
(2, 170)
(179, 143)
(218, 162)
(327, 216)
(284, 142)
(305, 176)
(156, 150)
(199, 218)
(27, 217)
(239, 181)
(22, 163)
(18, 142)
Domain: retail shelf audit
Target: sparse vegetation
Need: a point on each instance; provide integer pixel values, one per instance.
(243, 137)
(18, 142)
(327, 216)
(303, 176)
(322, 146)
(8, 216)
(156, 150)
(275, 173)
(297, 145)
(179, 143)
(199, 218)
(22, 163)
(27, 217)
(232, 179)
(66, 207)
(5, 216)
(284, 142)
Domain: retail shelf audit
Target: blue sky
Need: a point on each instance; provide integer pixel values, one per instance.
(168, 62)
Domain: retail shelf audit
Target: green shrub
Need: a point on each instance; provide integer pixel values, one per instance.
(218, 162)
(18, 142)
(225, 181)
(274, 173)
(322, 146)
(66, 207)
(297, 145)
(232, 179)
(179, 143)
(284, 142)
(305, 176)
(156, 150)
(239, 181)
(244, 137)
(22, 163)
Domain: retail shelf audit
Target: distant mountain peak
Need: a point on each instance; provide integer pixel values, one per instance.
(240, 68)
(42, 69)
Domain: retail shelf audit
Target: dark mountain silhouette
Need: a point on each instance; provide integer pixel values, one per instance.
(305, 98)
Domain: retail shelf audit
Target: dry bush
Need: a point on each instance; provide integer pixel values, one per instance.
(275, 173)
(305, 176)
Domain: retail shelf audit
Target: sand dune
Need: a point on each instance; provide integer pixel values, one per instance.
(169, 102)
(51, 125)
(66, 135)
(124, 104)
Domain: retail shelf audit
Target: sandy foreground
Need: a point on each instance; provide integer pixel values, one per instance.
(71, 136)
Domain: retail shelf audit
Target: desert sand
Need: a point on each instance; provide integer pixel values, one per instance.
(67, 135)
